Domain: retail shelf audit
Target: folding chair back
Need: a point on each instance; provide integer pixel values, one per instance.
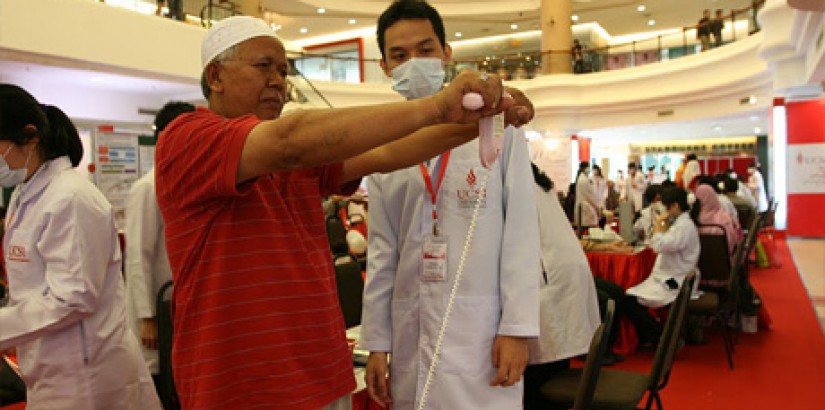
(669, 342)
(166, 380)
(714, 259)
(350, 285)
(598, 348)
(745, 215)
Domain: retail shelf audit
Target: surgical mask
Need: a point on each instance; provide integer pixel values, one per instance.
(12, 177)
(418, 77)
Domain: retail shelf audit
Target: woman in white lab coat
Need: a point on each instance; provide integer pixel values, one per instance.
(587, 205)
(757, 187)
(569, 305)
(65, 315)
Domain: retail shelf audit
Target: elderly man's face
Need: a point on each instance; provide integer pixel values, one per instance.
(254, 81)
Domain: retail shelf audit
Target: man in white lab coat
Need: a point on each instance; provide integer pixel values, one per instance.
(496, 309)
(147, 265)
(636, 185)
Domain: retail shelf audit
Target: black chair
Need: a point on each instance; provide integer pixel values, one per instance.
(745, 214)
(166, 380)
(592, 367)
(719, 284)
(350, 291)
(619, 389)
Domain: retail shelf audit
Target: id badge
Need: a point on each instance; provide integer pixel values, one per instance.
(435, 258)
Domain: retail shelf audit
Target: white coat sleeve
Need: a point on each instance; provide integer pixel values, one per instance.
(589, 189)
(675, 239)
(143, 229)
(382, 239)
(76, 247)
(520, 243)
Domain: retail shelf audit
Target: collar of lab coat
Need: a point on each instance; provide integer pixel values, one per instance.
(38, 182)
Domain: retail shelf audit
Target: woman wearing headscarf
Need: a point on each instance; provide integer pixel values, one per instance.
(712, 213)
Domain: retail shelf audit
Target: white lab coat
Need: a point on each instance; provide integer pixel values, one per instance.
(569, 305)
(678, 252)
(586, 203)
(147, 265)
(498, 294)
(636, 185)
(600, 189)
(757, 186)
(66, 314)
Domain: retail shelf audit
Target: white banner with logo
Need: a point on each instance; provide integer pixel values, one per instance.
(806, 168)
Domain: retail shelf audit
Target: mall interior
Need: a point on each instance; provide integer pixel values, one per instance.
(642, 88)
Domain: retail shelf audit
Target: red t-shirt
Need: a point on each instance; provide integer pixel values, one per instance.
(257, 321)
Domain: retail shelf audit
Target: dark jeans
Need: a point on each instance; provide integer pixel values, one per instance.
(647, 327)
(535, 375)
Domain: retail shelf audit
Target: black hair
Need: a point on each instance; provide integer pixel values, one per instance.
(542, 180)
(598, 168)
(169, 112)
(731, 185)
(650, 193)
(409, 10)
(57, 135)
(691, 157)
(677, 195)
(710, 181)
(631, 165)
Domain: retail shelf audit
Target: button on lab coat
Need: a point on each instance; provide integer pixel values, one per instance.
(66, 314)
(498, 293)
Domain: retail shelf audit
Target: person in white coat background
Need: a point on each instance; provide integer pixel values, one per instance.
(66, 313)
(147, 264)
(586, 211)
(757, 187)
(569, 306)
(676, 242)
(599, 187)
(636, 185)
(496, 309)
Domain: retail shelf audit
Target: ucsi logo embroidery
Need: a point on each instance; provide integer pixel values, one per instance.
(468, 195)
(18, 253)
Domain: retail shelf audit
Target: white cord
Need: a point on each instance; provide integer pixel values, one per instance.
(460, 270)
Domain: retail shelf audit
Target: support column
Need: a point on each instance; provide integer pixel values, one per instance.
(252, 8)
(556, 35)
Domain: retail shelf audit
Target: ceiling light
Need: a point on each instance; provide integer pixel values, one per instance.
(527, 58)
(754, 118)
(651, 22)
(757, 130)
(718, 128)
(641, 8)
(352, 21)
(752, 99)
(514, 26)
(458, 34)
(322, 10)
(275, 27)
(574, 17)
(303, 30)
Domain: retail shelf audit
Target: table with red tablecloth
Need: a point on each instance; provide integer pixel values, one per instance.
(625, 270)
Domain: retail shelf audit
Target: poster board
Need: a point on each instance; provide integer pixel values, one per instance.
(116, 165)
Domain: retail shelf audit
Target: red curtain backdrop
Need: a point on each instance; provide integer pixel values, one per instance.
(806, 125)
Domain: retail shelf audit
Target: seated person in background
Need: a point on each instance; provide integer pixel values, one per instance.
(643, 227)
(711, 213)
(743, 190)
(569, 313)
(676, 241)
(732, 193)
(613, 196)
(716, 182)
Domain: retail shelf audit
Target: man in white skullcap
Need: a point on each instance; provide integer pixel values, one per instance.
(257, 322)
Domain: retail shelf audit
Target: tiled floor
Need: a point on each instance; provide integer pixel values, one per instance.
(809, 257)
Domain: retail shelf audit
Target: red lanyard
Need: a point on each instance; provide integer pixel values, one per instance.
(442, 166)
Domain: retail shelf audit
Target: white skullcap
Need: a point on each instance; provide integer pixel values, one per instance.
(229, 32)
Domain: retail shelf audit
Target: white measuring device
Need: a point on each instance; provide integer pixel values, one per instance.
(490, 146)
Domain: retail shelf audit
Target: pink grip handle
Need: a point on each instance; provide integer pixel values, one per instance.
(472, 101)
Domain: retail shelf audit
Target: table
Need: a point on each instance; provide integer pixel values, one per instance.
(625, 270)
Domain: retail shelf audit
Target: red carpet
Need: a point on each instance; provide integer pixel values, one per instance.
(779, 368)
